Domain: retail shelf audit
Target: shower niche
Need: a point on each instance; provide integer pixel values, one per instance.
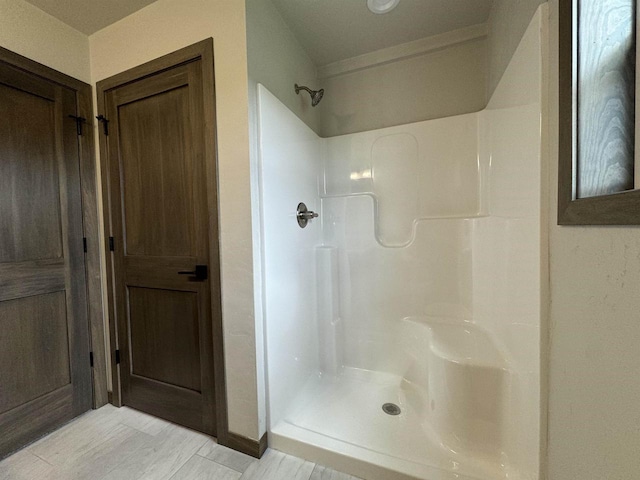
(418, 287)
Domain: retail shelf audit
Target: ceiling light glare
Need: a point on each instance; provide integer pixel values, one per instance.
(382, 6)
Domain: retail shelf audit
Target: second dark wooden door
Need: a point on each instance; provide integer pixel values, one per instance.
(160, 220)
(45, 377)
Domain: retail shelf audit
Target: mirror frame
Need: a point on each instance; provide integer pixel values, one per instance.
(615, 209)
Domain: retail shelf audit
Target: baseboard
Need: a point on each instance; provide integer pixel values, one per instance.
(246, 445)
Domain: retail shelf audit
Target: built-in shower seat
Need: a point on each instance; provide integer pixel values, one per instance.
(467, 383)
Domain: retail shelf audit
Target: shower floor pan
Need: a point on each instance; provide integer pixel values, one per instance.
(339, 421)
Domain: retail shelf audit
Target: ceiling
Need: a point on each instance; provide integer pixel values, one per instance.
(329, 30)
(89, 16)
(332, 30)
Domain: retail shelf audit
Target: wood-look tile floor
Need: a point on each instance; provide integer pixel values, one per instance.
(124, 444)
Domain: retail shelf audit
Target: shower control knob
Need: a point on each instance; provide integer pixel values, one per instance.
(308, 215)
(303, 215)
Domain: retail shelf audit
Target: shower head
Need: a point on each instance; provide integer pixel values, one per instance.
(316, 95)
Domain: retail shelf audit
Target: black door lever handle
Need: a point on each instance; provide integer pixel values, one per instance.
(200, 273)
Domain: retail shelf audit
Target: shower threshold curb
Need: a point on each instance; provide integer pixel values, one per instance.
(353, 459)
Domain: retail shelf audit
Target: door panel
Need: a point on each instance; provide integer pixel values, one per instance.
(24, 279)
(28, 231)
(34, 348)
(160, 221)
(162, 348)
(45, 376)
(156, 163)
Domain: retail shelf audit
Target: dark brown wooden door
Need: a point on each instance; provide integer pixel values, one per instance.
(45, 376)
(160, 220)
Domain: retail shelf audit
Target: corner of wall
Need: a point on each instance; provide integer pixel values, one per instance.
(30, 32)
(508, 21)
(277, 60)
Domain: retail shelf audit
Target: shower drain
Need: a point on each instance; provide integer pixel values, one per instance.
(391, 409)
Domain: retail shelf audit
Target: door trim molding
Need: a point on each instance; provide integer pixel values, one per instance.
(202, 50)
(86, 149)
(248, 446)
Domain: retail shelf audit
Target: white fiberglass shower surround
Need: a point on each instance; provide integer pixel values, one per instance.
(418, 288)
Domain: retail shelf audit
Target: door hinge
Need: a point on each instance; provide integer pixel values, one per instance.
(105, 123)
(91, 359)
(117, 357)
(84, 244)
(112, 244)
(79, 122)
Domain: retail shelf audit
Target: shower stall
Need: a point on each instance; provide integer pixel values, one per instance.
(402, 325)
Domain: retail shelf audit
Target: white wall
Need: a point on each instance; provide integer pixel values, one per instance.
(161, 28)
(424, 229)
(450, 81)
(489, 270)
(394, 207)
(276, 60)
(29, 31)
(508, 21)
(594, 353)
(289, 169)
(509, 249)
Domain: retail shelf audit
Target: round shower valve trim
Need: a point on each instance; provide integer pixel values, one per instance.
(303, 215)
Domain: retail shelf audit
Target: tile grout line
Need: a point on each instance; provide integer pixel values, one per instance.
(217, 463)
(194, 454)
(206, 459)
(142, 431)
(43, 459)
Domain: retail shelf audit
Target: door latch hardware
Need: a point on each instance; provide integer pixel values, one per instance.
(200, 273)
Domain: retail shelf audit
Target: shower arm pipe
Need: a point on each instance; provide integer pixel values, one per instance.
(316, 95)
(302, 87)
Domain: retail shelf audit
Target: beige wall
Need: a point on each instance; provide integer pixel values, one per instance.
(163, 27)
(29, 31)
(277, 60)
(594, 353)
(451, 81)
(508, 21)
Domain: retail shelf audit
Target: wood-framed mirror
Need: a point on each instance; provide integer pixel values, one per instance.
(599, 174)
